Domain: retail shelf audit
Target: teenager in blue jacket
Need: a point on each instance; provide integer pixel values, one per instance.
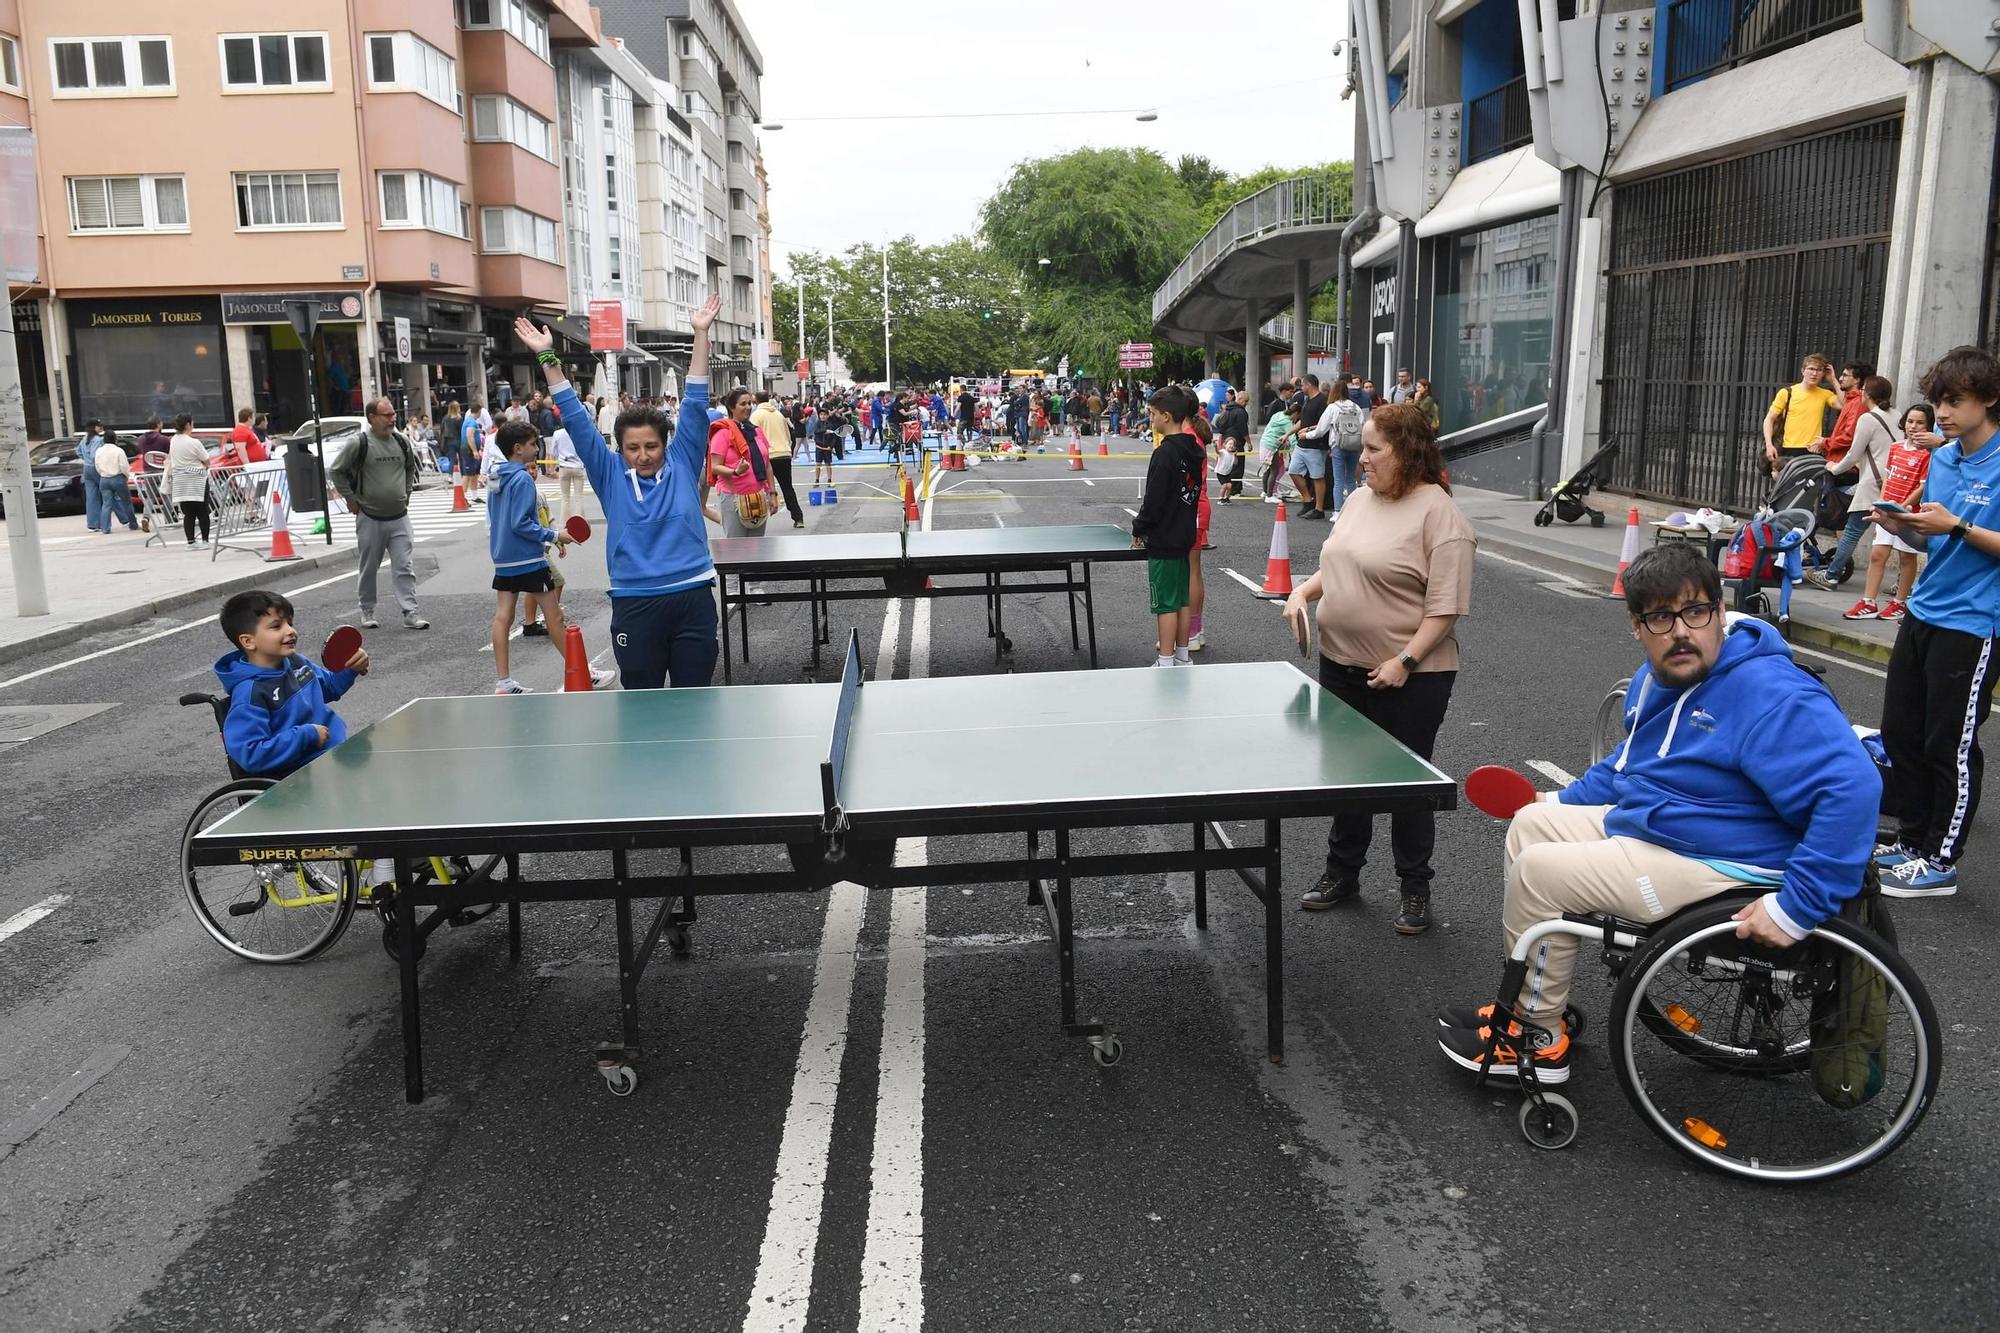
(663, 624)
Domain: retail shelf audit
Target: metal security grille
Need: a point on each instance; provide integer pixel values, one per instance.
(1723, 277)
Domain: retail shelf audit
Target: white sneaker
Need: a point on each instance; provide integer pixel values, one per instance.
(368, 620)
(415, 621)
(603, 678)
(511, 686)
(1196, 643)
(1164, 662)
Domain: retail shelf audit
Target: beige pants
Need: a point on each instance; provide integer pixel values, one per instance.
(572, 479)
(1559, 860)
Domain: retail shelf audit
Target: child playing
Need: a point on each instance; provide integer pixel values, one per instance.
(1907, 463)
(1941, 676)
(280, 714)
(1165, 526)
(518, 541)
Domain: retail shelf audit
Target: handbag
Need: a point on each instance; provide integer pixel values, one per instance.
(753, 509)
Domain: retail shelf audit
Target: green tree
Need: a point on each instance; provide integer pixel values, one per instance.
(1200, 175)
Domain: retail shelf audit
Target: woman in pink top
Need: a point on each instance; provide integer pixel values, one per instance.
(739, 466)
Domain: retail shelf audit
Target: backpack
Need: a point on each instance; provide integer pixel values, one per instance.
(1850, 1009)
(1346, 427)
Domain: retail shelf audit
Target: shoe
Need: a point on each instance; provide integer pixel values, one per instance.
(603, 678)
(1415, 918)
(1892, 610)
(511, 686)
(1889, 855)
(1466, 1048)
(415, 621)
(798, 522)
(1273, 500)
(1222, 499)
(1310, 514)
(1862, 610)
(1195, 643)
(1921, 877)
(1164, 662)
(535, 631)
(1475, 1016)
(1330, 891)
(368, 620)
(1818, 580)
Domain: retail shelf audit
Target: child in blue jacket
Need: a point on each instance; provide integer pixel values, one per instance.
(518, 541)
(663, 622)
(280, 701)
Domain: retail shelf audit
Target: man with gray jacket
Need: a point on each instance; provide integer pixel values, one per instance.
(376, 475)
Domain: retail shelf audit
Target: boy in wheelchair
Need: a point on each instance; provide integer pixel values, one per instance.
(280, 701)
(1738, 768)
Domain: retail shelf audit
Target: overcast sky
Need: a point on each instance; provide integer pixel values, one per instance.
(1274, 97)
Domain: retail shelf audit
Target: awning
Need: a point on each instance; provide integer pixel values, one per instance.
(1383, 247)
(1513, 185)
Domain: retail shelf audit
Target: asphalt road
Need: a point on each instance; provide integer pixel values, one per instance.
(244, 1159)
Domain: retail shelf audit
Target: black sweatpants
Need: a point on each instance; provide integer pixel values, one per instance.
(665, 640)
(781, 468)
(1939, 691)
(1411, 714)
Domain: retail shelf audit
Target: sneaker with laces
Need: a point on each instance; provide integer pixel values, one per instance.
(368, 620)
(1891, 610)
(1861, 610)
(1920, 877)
(1330, 890)
(1889, 855)
(415, 621)
(1415, 917)
(535, 631)
(511, 686)
(1466, 1048)
(602, 678)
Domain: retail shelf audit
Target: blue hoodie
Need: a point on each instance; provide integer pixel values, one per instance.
(514, 534)
(658, 542)
(1755, 766)
(272, 712)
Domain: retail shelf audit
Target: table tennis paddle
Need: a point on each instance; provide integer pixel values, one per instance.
(578, 528)
(341, 646)
(1498, 790)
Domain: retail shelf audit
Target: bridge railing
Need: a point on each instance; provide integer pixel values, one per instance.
(1302, 201)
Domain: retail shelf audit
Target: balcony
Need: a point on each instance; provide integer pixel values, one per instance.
(1705, 37)
(1497, 122)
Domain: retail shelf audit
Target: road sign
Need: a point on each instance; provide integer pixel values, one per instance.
(403, 340)
(607, 326)
(1135, 347)
(1135, 360)
(804, 368)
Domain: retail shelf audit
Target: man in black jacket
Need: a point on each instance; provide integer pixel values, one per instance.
(1165, 525)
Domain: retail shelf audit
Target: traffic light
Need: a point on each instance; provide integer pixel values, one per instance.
(986, 313)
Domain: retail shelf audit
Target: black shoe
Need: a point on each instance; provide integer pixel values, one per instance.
(1329, 891)
(536, 630)
(1313, 513)
(1415, 918)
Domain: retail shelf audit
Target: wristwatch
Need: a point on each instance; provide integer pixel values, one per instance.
(1961, 529)
(1409, 662)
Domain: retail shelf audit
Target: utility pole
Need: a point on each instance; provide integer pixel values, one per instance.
(829, 334)
(804, 355)
(888, 366)
(17, 480)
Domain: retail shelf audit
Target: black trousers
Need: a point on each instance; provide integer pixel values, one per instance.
(781, 468)
(1939, 691)
(194, 512)
(1412, 715)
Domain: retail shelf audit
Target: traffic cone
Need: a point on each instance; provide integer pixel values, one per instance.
(576, 663)
(1278, 569)
(1103, 447)
(281, 536)
(458, 502)
(1628, 553)
(1075, 455)
(910, 512)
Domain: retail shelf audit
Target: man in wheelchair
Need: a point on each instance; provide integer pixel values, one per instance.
(1738, 768)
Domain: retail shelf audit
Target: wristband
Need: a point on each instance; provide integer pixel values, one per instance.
(548, 358)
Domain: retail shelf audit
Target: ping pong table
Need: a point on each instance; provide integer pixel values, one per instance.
(907, 563)
(824, 778)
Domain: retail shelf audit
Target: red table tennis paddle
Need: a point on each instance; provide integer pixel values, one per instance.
(578, 528)
(1498, 790)
(341, 646)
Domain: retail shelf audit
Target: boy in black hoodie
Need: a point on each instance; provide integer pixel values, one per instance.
(1166, 522)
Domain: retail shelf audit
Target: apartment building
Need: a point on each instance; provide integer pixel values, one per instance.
(674, 262)
(1629, 220)
(393, 161)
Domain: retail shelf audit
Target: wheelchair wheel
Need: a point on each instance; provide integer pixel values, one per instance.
(1710, 1038)
(275, 911)
(1607, 732)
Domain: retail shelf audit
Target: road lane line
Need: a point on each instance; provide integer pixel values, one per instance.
(1551, 772)
(1257, 588)
(28, 916)
(892, 1259)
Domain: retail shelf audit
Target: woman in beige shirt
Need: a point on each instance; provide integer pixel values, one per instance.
(1393, 580)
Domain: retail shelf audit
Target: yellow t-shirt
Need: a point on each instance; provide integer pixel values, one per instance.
(777, 428)
(1804, 414)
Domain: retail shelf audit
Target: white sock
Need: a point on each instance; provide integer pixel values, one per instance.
(1166, 661)
(1181, 653)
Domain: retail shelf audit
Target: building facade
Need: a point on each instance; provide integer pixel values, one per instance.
(1628, 223)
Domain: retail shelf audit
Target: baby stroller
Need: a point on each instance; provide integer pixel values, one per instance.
(1768, 549)
(1565, 501)
(1802, 483)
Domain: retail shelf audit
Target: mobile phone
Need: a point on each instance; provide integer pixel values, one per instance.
(1890, 505)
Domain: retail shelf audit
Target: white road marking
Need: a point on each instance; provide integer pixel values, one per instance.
(1568, 589)
(1133, 512)
(1551, 772)
(28, 916)
(149, 638)
(892, 1258)
(514, 633)
(1876, 672)
(1257, 588)
(1087, 481)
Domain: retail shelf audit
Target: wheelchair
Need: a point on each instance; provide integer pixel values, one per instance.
(1725, 1049)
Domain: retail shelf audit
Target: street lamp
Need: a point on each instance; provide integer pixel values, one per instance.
(1145, 116)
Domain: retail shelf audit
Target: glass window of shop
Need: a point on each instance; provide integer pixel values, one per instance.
(134, 359)
(1493, 314)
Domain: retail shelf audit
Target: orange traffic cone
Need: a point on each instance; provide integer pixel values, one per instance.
(458, 503)
(281, 536)
(1628, 553)
(1278, 569)
(1103, 447)
(576, 663)
(910, 511)
(1075, 455)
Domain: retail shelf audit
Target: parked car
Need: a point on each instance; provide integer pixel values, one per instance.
(58, 473)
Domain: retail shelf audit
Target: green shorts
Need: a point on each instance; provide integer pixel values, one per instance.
(1167, 580)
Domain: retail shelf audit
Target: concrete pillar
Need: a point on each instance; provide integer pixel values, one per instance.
(1208, 356)
(242, 386)
(1253, 370)
(1301, 317)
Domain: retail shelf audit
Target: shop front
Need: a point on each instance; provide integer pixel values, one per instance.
(447, 344)
(1492, 320)
(37, 406)
(131, 359)
(280, 383)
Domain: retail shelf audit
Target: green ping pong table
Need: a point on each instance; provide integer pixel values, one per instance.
(825, 778)
(907, 564)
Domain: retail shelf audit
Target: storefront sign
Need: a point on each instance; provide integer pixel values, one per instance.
(166, 312)
(607, 326)
(269, 307)
(1385, 297)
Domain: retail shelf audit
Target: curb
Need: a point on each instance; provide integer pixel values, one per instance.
(67, 634)
(1591, 576)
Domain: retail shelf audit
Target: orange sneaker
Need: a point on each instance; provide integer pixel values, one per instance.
(1466, 1048)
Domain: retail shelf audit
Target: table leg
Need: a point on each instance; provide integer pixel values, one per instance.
(1274, 942)
(1000, 643)
(513, 909)
(1200, 878)
(743, 615)
(1069, 577)
(406, 958)
(1090, 614)
(1065, 932)
(628, 977)
(723, 586)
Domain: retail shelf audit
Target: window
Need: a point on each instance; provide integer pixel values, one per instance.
(735, 152)
(112, 66)
(503, 120)
(711, 169)
(418, 199)
(610, 183)
(287, 200)
(716, 227)
(516, 231)
(274, 60)
(700, 108)
(405, 62)
(518, 17)
(10, 64)
(615, 265)
(127, 203)
(1491, 342)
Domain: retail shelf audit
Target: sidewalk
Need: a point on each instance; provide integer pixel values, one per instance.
(1590, 555)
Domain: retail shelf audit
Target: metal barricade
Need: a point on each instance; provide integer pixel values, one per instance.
(239, 506)
(156, 502)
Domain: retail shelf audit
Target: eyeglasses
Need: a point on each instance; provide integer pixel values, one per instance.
(1695, 615)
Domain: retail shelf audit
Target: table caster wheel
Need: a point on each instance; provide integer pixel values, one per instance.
(1106, 1050)
(1006, 644)
(677, 941)
(1552, 1124)
(623, 1080)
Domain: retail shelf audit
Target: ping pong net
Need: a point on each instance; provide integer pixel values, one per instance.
(834, 767)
